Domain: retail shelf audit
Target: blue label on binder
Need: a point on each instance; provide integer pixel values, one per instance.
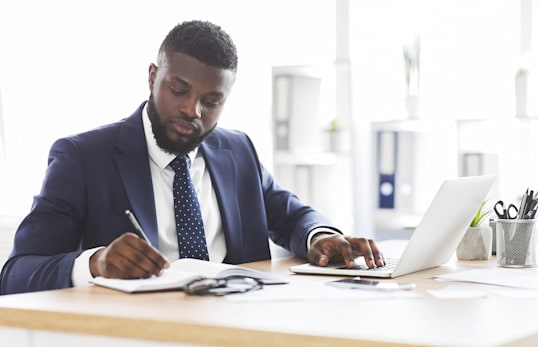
(386, 191)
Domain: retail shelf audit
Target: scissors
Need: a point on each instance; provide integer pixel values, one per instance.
(509, 212)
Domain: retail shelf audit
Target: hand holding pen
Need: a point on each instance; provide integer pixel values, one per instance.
(129, 256)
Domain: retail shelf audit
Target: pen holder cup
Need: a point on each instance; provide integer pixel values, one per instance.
(516, 245)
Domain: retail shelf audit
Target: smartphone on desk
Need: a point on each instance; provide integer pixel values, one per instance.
(358, 283)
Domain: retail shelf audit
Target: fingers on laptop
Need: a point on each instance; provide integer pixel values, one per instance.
(330, 248)
(337, 248)
(368, 249)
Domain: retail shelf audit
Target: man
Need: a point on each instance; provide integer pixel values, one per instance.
(77, 228)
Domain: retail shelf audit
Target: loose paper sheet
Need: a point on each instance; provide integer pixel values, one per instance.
(511, 277)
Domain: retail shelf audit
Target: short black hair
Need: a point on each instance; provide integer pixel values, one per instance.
(202, 40)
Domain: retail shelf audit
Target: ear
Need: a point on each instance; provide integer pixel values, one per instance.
(152, 75)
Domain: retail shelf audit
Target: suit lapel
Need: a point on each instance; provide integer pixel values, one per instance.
(221, 166)
(133, 166)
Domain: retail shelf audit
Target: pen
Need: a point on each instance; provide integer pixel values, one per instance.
(137, 226)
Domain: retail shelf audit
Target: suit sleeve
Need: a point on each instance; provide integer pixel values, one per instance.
(48, 240)
(289, 220)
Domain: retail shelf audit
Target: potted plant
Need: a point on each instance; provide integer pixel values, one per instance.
(335, 137)
(477, 241)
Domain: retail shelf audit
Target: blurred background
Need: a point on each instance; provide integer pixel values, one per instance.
(361, 107)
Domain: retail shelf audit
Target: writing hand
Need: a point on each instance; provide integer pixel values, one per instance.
(335, 247)
(128, 257)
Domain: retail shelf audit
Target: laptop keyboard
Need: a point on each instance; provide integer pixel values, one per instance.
(390, 264)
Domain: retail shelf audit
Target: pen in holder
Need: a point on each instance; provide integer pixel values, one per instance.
(516, 246)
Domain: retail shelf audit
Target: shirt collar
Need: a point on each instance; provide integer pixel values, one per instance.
(160, 157)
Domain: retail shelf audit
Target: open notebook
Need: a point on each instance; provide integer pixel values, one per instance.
(183, 271)
(436, 237)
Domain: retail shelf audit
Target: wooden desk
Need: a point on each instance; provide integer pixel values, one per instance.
(183, 320)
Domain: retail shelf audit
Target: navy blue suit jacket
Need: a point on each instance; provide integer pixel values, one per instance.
(93, 177)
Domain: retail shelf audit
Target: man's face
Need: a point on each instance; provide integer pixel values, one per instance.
(186, 100)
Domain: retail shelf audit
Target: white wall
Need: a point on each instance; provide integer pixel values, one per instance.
(469, 55)
(67, 66)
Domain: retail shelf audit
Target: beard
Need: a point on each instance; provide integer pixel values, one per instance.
(177, 148)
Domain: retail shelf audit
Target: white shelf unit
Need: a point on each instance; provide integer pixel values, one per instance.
(303, 105)
(411, 159)
(428, 151)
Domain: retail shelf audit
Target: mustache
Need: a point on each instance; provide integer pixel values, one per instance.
(186, 121)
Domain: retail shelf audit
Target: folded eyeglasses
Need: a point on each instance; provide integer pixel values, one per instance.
(222, 286)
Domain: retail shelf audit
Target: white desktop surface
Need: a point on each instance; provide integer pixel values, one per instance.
(174, 319)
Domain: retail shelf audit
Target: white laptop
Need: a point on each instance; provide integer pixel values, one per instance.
(436, 237)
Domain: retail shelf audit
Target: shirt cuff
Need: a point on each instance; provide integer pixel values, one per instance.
(81, 274)
(318, 230)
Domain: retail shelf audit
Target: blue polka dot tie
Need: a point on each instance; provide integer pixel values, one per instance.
(189, 224)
